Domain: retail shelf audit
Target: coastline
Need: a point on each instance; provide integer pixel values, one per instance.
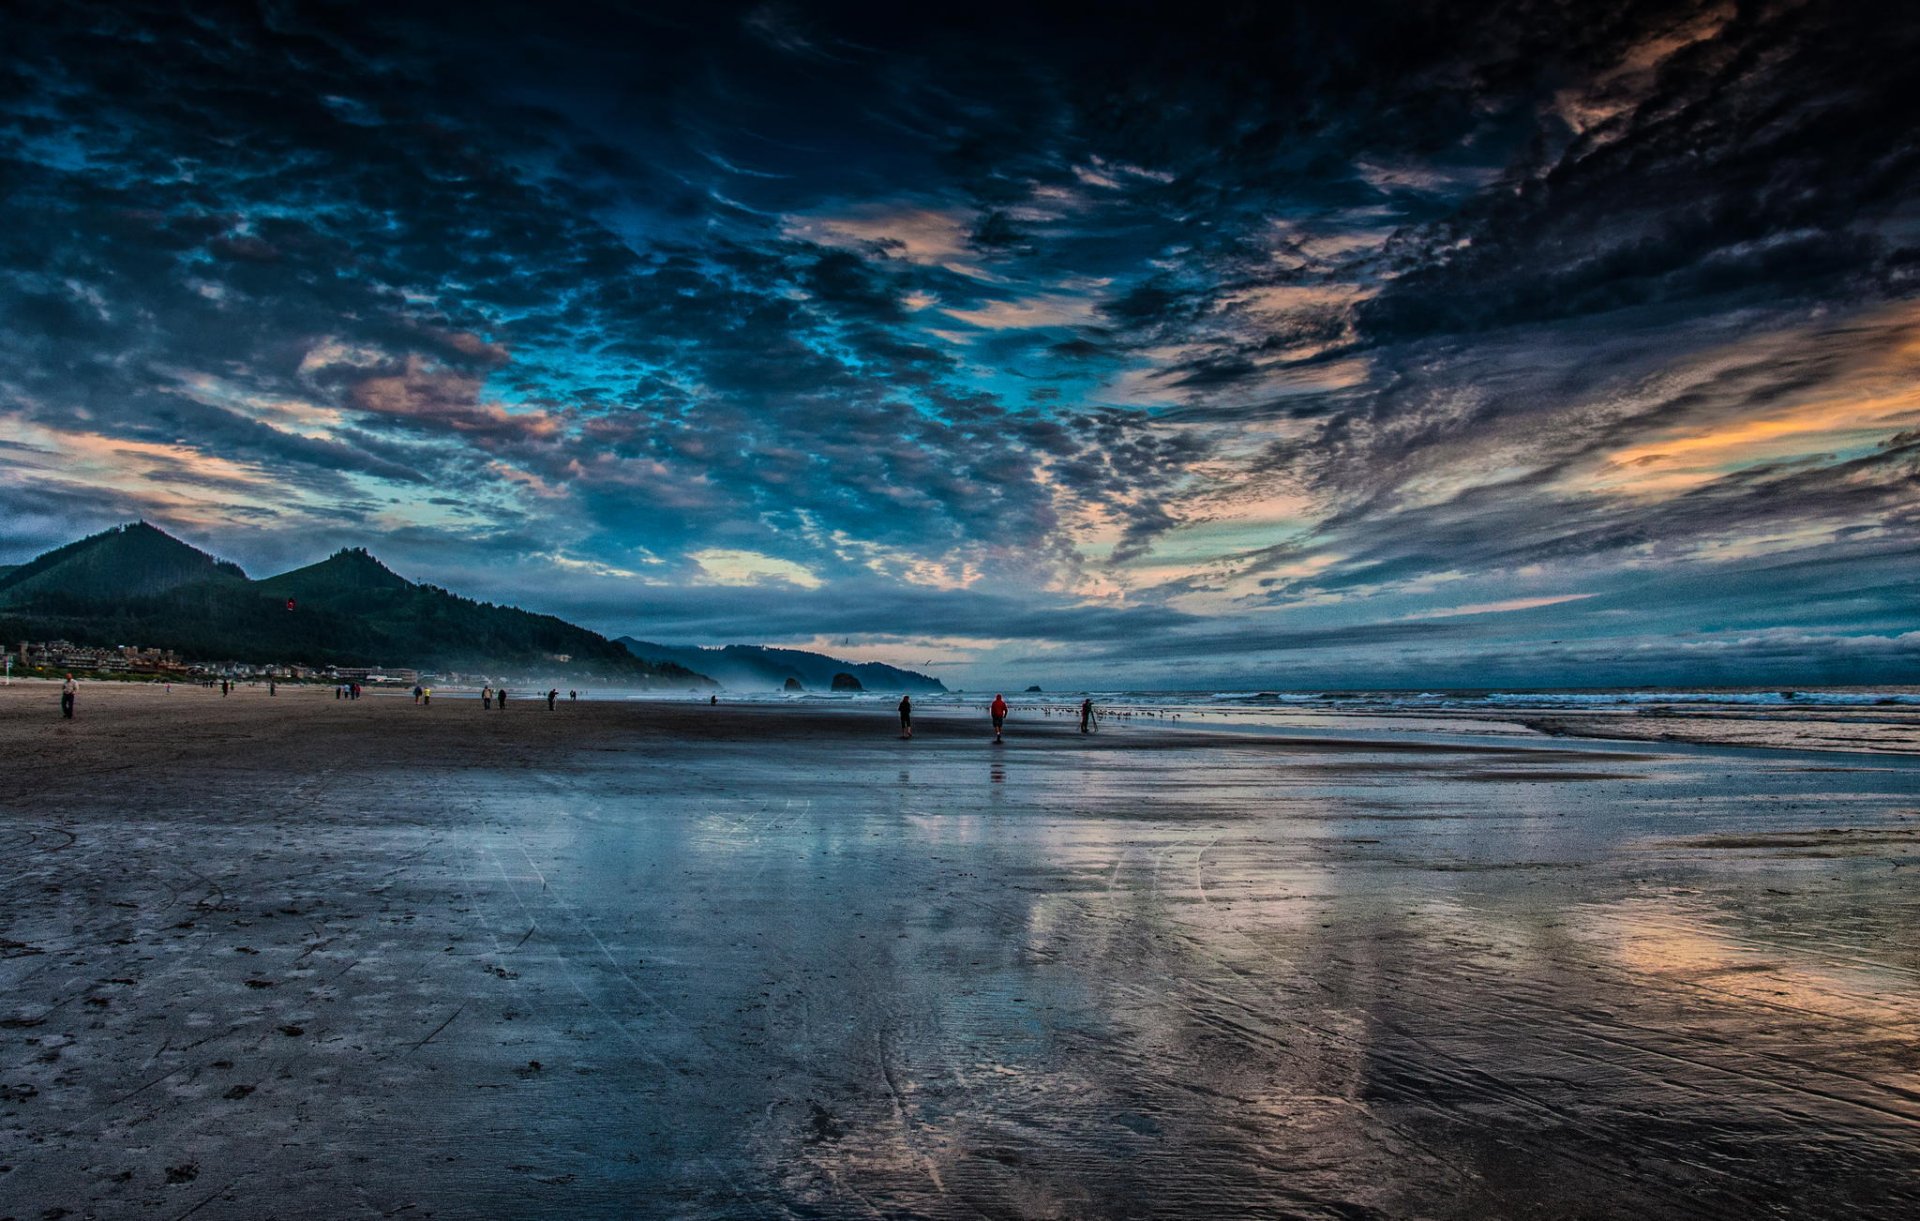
(1875, 721)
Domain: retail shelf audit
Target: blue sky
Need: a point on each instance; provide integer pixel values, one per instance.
(1347, 344)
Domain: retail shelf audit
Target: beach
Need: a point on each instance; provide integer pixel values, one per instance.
(293, 956)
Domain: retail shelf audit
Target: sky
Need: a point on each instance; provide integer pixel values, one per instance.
(1240, 346)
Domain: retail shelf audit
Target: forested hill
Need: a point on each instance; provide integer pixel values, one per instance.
(137, 585)
(127, 561)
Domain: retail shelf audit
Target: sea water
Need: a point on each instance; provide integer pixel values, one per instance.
(1882, 719)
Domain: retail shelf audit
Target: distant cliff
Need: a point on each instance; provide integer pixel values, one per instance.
(752, 667)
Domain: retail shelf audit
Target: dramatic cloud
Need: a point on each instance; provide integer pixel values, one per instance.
(1332, 343)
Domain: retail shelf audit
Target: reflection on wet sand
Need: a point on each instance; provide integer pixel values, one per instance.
(826, 973)
(1222, 981)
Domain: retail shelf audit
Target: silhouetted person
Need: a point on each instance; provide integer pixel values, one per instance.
(999, 711)
(273, 688)
(573, 695)
(1086, 714)
(500, 697)
(486, 696)
(68, 690)
(906, 716)
(553, 693)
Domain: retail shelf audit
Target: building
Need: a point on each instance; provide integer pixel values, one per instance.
(373, 674)
(119, 659)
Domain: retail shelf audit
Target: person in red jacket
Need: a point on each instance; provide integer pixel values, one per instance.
(999, 715)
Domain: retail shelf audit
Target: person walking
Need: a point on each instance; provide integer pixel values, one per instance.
(417, 691)
(553, 693)
(906, 716)
(1086, 714)
(486, 696)
(426, 697)
(999, 710)
(68, 691)
(273, 688)
(500, 697)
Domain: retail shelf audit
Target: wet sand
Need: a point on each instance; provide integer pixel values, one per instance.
(292, 957)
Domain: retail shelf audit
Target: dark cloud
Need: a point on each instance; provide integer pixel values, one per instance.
(1773, 159)
(1061, 304)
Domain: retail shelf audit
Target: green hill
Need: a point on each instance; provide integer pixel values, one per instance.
(347, 572)
(133, 560)
(138, 585)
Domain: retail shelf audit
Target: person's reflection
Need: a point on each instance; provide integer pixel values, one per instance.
(998, 772)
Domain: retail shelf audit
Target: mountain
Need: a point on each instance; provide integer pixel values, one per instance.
(138, 585)
(349, 571)
(134, 560)
(752, 667)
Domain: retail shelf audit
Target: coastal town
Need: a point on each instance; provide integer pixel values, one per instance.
(133, 663)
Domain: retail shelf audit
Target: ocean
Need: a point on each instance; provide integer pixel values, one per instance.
(1869, 720)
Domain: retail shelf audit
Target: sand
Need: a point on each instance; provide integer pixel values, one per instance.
(292, 957)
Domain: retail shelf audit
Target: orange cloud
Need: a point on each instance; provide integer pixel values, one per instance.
(449, 399)
(1876, 395)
